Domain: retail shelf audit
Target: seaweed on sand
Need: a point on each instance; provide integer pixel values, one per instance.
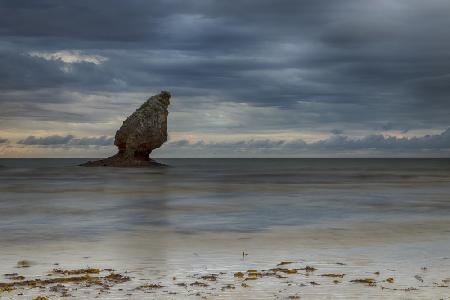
(150, 286)
(333, 275)
(60, 288)
(210, 277)
(309, 269)
(77, 271)
(199, 284)
(368, 281)
(86, 279)
(228, 287)
(283, 270)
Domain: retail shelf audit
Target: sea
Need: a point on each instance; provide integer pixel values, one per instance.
(359, 218)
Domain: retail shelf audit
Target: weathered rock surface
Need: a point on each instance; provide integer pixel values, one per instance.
(141, 133)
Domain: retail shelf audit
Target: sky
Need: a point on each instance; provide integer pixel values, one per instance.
(248, 78)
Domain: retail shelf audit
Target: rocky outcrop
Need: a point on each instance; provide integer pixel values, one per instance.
(141, 133)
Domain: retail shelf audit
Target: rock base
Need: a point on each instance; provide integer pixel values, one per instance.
(120, 161)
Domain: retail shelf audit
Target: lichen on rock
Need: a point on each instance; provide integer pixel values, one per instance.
(141, 133)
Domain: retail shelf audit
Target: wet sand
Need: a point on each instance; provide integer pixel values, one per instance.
(283, 262)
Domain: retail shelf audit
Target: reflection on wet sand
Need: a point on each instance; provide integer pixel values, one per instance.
(368, 260)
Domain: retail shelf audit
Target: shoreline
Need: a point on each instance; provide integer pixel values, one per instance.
(373, 266)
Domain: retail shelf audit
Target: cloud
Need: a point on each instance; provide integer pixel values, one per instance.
(310, 65)
(435, 142)
(70, 57)
(68, 140)
(340, 145)
(343, 144)
(337, 131)
(48, 140)
(97, 141)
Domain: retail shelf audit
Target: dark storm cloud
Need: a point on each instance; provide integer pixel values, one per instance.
(337, 131)
(372, 65)
(68, 140)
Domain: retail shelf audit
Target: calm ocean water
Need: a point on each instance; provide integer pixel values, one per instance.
(47, 198)
(197, 216)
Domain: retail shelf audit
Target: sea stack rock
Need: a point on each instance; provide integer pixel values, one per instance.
(140, 133)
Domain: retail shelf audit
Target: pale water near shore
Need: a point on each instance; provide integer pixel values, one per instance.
(196, 217)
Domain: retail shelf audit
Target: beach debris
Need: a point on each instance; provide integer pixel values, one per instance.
(341, 264)
(409, 289)
(150, 286)
(65, 282)
(116, 278)
(24, 264)
(368, 281)
(85, 279)
(210, 277)
(19, 277)
(396, 289)
(309, 269)
(244, 254)
(14, 276)
(390, 280)
(333, 275)
(40, 298)
(254, 273)
(6, 289)
(59, 288)
(285, 263)
(286, 271)
(182, 284)
(199, 284)
(251, 278)
(77, 271)
(376, 273)
(228, 287)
